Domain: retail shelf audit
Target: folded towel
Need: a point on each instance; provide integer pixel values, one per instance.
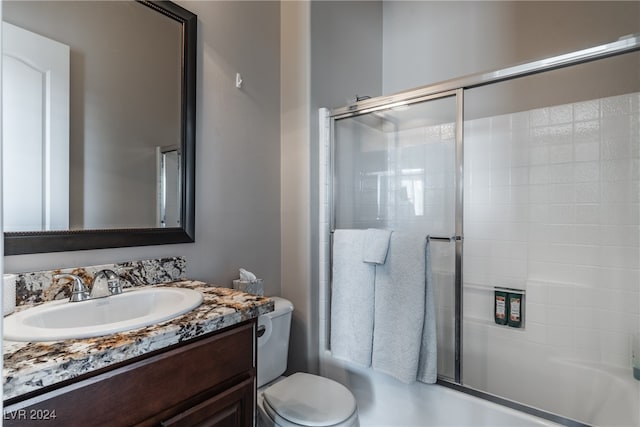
(376, 245)
(399, 313)
(351, 298)
(428, 364)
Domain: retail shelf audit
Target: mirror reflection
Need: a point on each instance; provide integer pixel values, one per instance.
(91, 101)
(169, 186)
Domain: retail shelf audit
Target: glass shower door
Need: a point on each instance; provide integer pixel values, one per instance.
(552, 190)
(395, 168)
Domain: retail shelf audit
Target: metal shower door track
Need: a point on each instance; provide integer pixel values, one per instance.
(621, 46)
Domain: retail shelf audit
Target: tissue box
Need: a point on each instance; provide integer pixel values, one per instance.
(255, 287)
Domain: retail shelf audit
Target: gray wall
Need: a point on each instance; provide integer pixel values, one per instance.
(294, 177)
(428, 42)
(331, 51)
(346, 51)
(346, 61)
(238, 153)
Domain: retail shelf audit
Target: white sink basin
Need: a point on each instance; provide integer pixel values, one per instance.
(59, 320)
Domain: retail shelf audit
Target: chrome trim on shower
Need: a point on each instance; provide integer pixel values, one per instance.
(457, 237)
(405, 101)
(435, 238)
(623, 45)
(444, 239)
(459, 204)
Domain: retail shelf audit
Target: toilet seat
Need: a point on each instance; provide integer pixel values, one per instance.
(309, 400)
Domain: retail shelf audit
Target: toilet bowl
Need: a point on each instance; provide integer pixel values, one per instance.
(300, 399)
(307, 400)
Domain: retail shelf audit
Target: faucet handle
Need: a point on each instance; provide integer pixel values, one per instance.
(113, 282)
(79, 291)
(98, 288)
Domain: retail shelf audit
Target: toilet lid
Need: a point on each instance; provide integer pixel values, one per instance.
(310, 400)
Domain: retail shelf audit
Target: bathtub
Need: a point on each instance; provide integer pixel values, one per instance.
(520, 365)
(384, 401)
(589, 392)
(586, 392)
(608, 395)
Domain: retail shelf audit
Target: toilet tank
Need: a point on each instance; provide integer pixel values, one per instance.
(273, 343)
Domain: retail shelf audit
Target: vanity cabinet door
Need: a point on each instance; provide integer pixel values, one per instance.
(208, 381)
(231, 408)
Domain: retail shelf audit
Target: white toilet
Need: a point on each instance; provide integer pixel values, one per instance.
(300, 399)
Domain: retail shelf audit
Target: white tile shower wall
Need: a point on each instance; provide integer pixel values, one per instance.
(551, 205)
(425, 159)
(359, 160)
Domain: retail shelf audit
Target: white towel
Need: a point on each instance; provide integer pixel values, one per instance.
(428, 364)
(401, 300)
(351, 299)
(376, 245)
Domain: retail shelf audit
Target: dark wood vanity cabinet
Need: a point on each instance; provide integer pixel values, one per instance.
(208, 381)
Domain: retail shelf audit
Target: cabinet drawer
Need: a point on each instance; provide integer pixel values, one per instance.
(135, 392)
(230, 408)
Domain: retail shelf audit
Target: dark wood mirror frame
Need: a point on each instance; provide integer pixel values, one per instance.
(17, 243)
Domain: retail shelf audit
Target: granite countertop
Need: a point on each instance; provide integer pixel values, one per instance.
(29, 366)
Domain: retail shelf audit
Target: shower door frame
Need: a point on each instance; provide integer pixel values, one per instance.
(457, 87)
(457, 236)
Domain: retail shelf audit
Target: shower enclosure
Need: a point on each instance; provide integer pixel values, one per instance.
(528, 181)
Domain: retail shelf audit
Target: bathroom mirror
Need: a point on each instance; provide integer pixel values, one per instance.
(130, 94)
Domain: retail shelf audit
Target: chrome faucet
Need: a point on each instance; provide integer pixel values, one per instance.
(79, 291)
(98, 290)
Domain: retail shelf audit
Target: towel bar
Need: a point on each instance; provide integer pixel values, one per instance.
(436, 238)
(445, 239)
